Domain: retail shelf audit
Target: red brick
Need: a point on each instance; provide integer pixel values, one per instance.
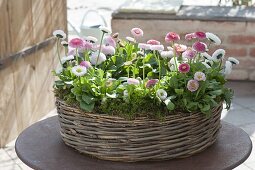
(236, 52)
(252, 52)
(241, 39)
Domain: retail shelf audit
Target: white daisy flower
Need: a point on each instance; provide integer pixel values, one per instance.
(97, 60)
(59, 34)
(166, 54)
(162, 94)
(206, 56)
(227, 68)
(206, 65)
(157, 47)
(79, 70)
(130, 39)
(66, 58)
(170, 48)
(64, 43)
(144, 46)
(199, 76)
(233, 60)
(213, 38)
(218, 55)
(91, 39)
(105, 29)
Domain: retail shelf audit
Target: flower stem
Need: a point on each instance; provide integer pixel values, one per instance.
(175, 62)
(58, 41)
(77, 54)
(143, 65)
(100, 46)
(159, 65)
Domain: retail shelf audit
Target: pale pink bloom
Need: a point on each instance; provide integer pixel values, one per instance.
(179, 48)
(108, 50)
(172, 36)
(144, 46)
(76, 43)
(162, 94)
(130, 39)
(153, 42)
(167, 54)
(190, 36)
(200, 35)
(192, 85)
(108, 40)
(189, 54)
(199, 76)
(91, 39)
(151, 83)
(133, 81)
(96, 59)
(71, 52)
(199, 47)
(86, 64)
(95, 47)
(157, 47)
(137, 32)
(85, 46)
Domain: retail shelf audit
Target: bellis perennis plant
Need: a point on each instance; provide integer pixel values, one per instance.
(129, 78)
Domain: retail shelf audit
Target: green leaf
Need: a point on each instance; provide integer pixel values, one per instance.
(169, 104)
(179, 91)
(88, 98)
(87, 107)
(113, 96)
(216, 92)
(205, 108)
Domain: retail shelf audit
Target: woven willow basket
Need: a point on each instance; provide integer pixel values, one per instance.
(116, 139)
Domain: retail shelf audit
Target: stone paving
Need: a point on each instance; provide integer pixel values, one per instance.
(241, 114)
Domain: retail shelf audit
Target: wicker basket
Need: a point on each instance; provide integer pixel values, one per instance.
(116, 139)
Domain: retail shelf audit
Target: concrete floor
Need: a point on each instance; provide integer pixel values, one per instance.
(241, 114)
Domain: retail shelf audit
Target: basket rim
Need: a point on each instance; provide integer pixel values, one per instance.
(180, 115)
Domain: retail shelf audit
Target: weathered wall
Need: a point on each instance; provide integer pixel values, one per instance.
(26, 81)
(238, 37)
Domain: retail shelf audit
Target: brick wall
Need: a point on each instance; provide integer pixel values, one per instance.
(238, 37)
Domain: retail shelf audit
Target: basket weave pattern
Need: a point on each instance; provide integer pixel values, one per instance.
(114, 138)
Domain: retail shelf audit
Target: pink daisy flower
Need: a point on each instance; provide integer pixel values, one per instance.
(133, 81)
(192, 85)
(184, 68)
(153, 42)
(76, 43)
(199, 47)
(108, 40)
(144, 46)
(85, 46)
(157, 47)
(108, 50)
(151, 83)
(190, 36)
(200, 35)
(137, 32)
(199, 76)
(189, 54)
(86, 64)
(179, 48)
(172, 36)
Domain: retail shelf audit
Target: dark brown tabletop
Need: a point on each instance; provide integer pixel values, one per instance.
(40, 146)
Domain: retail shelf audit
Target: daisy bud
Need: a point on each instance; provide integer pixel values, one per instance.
(59, 34)
(115, 35)
(130, 39)
(76, 43)
(153, 42)
(227, 68)
(200, 35)
(64, 43)
(172, 36)
(218, 55)
(137, 32)
(233, 60)
(213, 38)
(105, 30)
(91, 39)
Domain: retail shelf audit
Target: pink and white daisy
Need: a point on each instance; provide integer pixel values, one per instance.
(200, 35)
(91, 39)
(108, 40)
(171, 37)
(108, 50)
(179, 48)
(144, 46)
(200, 47)
(162, 94)
(152, 82)
(137, 32)
(157, 47)
(190, 36)
(166, 54)
(130, 39)
(199, 76)
(133, 81)
(86, 64)
(189, 54)
(97, 60)
(184, 68)
(192, 85)
(153, 42)
(76, 43)
(85, 46)
(79, 70)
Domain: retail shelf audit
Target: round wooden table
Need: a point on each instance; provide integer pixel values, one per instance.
(40, 147)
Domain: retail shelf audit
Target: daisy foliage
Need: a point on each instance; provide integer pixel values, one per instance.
(129, 78)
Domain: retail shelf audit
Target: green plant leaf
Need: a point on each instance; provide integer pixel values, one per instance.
(169, 104)
(113, 96)
(179, 91)
(88, 98)
(87, 107)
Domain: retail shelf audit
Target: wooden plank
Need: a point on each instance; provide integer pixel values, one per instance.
(59, 14)
(8, 119)
(4, 33)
